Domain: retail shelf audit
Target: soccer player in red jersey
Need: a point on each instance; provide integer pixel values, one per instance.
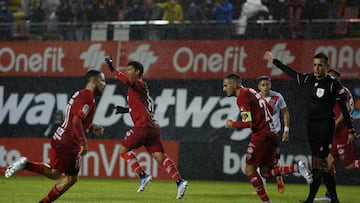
(343, 147)
(277, 102)
(68, 143)
(256, 113)
(146, 130)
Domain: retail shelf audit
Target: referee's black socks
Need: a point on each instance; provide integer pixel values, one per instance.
(330, 183)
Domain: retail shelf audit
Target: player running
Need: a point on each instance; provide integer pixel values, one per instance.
(256, 113)
(69, 143)
(146, 130)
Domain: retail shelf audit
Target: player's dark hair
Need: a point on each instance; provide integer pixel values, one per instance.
(263, 77)
(90, 74)
(137, 66)
(234, 77)
(336, 71)
(322, 56)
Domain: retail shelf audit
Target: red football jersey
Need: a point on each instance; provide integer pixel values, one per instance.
(255, 113)
(81, 104)
(139, 101)
(141, 105)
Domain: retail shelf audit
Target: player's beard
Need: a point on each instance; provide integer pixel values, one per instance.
(98, 91)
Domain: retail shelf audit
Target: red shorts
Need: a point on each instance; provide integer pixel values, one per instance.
(147, 136)
(261, 153)
(65, 159)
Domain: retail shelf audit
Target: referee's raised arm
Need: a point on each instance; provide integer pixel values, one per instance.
(286, 69)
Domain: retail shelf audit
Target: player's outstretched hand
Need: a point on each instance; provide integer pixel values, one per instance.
(120, 109)
(108, 60)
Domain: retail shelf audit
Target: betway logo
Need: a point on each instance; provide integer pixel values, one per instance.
(50, 59)
(233, 162)
(35, 109)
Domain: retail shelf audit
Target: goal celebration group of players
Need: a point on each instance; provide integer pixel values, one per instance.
(330, 132)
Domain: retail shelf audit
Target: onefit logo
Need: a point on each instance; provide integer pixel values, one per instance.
(93, 57)
(144, 55)
(280, 52)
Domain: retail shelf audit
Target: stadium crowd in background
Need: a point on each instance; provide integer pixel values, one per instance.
(70, 14)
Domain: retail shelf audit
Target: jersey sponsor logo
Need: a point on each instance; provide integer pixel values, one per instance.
(93, 57)
(320, 92)
(144, 55)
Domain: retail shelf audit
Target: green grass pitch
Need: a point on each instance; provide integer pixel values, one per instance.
(86, 190)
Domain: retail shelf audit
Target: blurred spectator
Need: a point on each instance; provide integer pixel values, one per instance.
(50, 5)
(153, 32)
(195, 11)
(317, 10)
(110, 10)
(279, 10)
(65, 17)
(295, 13)
(172, 11)
(6, 17)
(136, 12)
(83, 28)
(52, 26)
(195, 14)
(37, 21)
(250, 9)
(154, 12)
(223, 12)
(208, 6)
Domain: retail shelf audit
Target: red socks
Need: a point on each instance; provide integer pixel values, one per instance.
(170, 168)
(52, 195)
(166, 163)
(281, 170)
(259, 186)
(130, 158)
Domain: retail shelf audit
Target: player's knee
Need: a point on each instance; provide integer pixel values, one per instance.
(71, 180)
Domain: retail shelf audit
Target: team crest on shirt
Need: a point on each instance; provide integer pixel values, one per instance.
(320, 92)
(85, 109)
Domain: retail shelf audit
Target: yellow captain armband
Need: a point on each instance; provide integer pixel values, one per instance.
(246, 116)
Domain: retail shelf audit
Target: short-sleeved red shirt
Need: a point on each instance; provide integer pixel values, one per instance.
(82, 104)
(256, 112)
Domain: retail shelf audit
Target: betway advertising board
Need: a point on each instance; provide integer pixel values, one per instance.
(176, 59)
(36, 82)
(191, 112)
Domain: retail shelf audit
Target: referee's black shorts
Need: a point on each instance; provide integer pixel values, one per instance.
(320, 134)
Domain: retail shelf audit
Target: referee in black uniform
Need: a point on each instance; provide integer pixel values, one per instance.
(322, 92)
